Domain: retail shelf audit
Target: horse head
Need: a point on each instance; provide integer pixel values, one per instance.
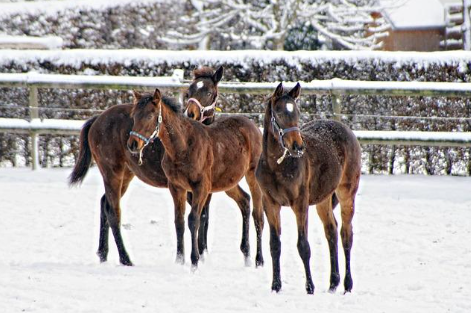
(202, 94)
(146, 117)
(285, 120)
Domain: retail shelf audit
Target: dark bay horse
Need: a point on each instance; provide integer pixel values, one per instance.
(203, 159)
(317, 164)
(104, 139)
(200, 100)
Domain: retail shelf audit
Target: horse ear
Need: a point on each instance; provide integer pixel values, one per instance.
(295, 92)
(278, 91)
(157, 96)
(137, 96)
(218, 75)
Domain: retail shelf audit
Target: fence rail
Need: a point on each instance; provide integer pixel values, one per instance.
(176, 84)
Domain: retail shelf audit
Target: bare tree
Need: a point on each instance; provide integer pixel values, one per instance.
(349, 24)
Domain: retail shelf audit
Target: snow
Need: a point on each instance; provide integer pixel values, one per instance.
(174, 81)
(457, 138)
(48, 42)
(77, 57)
(410, 252)
(417, 14)
(58, 80)
(42, 126)
(52, 8)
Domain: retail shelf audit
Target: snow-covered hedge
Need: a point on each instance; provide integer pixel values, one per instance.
(362, 113)
(93, 24)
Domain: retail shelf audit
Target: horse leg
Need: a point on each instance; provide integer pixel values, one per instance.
(257, 213)
(113, 215)
(199, 198)
(272, 210)
(326, 214)
(347, 205)
(178, 195)
(104, 232)
(304, 249)
(243, 201)
(103, 247)
(203, 231)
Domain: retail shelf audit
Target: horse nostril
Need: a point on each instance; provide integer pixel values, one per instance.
(298, 148)
(133, 146)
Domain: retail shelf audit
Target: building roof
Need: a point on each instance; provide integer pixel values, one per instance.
(416, 14)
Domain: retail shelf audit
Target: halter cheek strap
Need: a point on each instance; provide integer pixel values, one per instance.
(149, 139)
(281, 132)
(202, 108)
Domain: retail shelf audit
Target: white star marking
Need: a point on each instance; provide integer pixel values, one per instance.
(289, 107)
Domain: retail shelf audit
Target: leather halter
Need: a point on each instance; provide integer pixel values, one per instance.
(202, 108)
(281, 132)
(149, 139)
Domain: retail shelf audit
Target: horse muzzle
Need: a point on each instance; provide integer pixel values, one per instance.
(297, 151)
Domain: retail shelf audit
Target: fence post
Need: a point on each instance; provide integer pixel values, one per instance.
(336, 107)
(34, 114)
(178, 75)
(336, 103)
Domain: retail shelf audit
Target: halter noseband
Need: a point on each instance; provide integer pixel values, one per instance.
(149, 139)
(202, 108)
(281, 132)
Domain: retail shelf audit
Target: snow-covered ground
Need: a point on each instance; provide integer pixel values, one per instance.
(411, 251)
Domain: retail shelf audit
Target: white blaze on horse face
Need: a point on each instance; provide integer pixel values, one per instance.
(289, 107)
(200, 84)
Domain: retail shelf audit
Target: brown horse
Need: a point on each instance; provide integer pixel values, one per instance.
(203, 159)
(104, 139)
(200, 100)
(317, 164)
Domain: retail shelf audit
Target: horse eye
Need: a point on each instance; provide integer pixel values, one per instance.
(150, 116)
(209, 94)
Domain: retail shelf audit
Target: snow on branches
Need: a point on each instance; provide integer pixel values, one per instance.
(343, 24)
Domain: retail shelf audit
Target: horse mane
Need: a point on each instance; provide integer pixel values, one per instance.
(169, 102)
(203, 72)
(172, 104)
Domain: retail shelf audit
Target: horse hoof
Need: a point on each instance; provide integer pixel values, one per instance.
(194, 268)
(126, 263)
(332, 289)
(310, 288)
(247, 262)
(103, 258)
(259, 261)
(180, 259)
(276, 286)
(348, 284)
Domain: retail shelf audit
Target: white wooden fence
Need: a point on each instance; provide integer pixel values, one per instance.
(176, 84)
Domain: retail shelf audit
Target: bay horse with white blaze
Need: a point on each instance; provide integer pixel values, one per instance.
(204, 159)
(104, 138)
(201, 98)
(316, 164)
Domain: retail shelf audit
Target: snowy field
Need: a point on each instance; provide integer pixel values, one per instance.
(411, 251)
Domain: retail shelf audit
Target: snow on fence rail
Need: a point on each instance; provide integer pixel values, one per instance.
(176, 84)
(30, 42)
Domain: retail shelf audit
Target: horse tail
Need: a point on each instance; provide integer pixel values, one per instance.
(85, 155)
(335, 200)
